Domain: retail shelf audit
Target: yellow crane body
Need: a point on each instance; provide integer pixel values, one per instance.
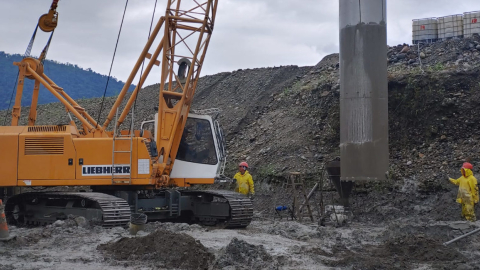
(59, 156)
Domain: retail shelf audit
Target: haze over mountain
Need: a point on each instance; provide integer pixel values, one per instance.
(76, 81)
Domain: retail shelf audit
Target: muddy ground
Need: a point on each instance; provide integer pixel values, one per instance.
(387, 228)
(268, 243)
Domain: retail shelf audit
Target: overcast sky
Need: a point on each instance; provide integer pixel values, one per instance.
(248, 33)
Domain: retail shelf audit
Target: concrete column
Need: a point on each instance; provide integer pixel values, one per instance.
(363, 90)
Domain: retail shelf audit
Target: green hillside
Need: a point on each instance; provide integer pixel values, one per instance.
(77, 82)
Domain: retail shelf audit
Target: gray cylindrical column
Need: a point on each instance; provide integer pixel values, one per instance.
(363, 90)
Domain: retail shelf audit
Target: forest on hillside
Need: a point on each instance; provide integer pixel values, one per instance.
(77, 82)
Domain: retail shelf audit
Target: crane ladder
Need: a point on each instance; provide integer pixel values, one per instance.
(122, 179)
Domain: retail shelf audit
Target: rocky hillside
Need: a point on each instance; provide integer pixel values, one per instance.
(286, 118)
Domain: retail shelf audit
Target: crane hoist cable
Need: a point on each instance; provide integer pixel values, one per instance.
(30, 44)
(141, 71)
(43, 55)
(111, 65)
(11, 98)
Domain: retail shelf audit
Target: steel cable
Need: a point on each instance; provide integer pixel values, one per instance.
(111, 65)
(141, 71)
(11, 97)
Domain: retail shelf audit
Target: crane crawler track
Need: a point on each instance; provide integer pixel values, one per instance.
(114, 211)
(241, 208)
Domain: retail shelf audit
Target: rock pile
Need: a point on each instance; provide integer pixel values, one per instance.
(454, 53)
(240, 255)
(164, 249)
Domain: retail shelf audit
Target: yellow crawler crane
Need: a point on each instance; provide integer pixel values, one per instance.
(130, 171)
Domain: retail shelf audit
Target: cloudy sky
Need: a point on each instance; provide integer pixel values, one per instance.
(248, 33)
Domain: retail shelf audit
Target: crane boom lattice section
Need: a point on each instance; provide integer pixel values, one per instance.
(188, 27)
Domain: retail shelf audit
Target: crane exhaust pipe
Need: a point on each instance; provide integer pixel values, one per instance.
(363, 90)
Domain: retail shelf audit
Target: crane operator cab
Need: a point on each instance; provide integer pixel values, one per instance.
(201, 153)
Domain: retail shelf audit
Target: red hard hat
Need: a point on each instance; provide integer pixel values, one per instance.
(467, 165)
(243, 164)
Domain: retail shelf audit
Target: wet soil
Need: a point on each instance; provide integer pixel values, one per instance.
(405, 252)
(242, 255)
(164, 249)
(404, 244)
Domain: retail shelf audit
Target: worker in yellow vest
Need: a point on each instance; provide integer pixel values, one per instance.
(244, 180)
(467, 191)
